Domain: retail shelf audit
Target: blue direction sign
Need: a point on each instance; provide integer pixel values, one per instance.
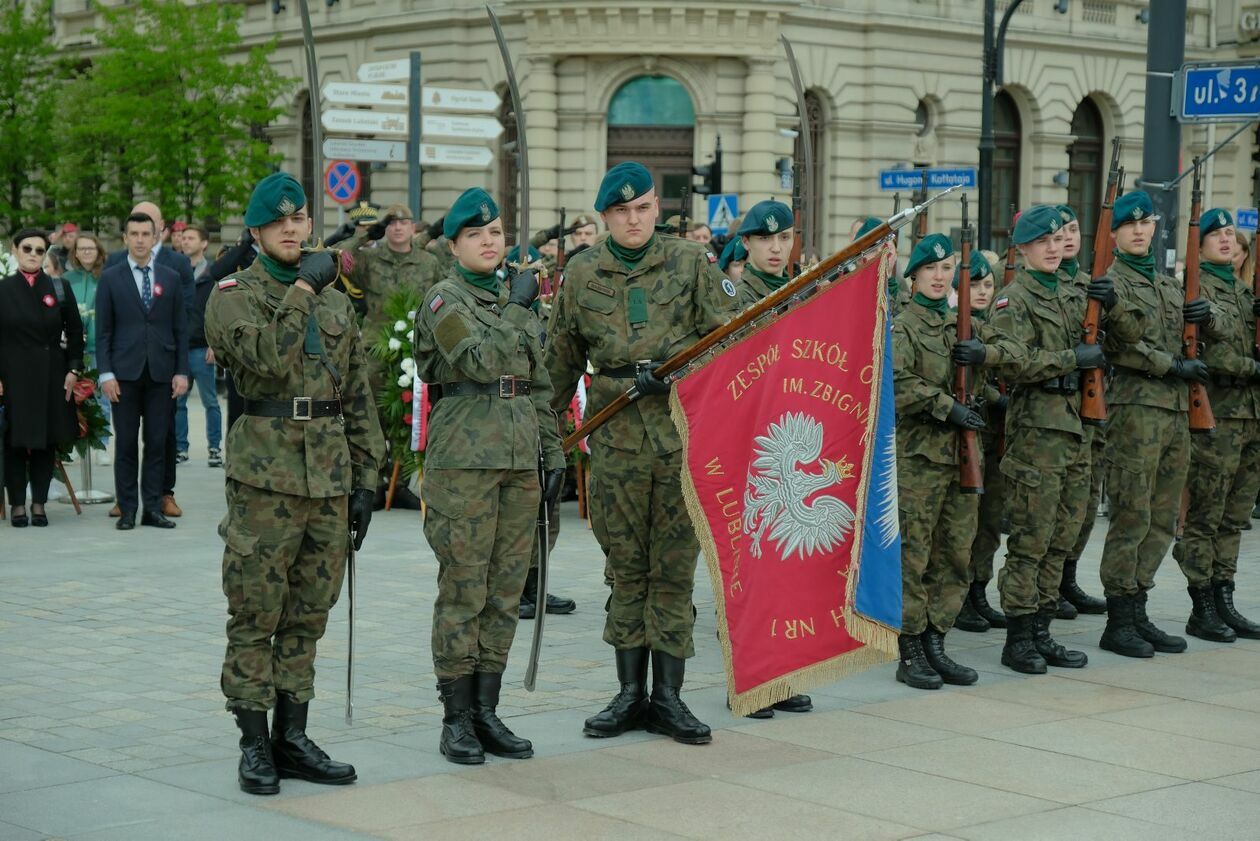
(1217, 93)
(723, 208)
(342, 182)
(1247, 219)
(938, 178)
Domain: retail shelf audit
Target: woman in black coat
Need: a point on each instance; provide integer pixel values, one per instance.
(37, 375)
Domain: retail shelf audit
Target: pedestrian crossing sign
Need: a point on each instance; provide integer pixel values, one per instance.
(723, 208)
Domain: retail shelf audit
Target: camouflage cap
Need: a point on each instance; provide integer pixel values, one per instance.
(978, 269)
(1131, 207)
(765, 218)
(397, 211)
(933, 248)
(473, 209)
(1035, 223)
(1214, 220)
(624, 182)
(734, 252)
(276, 196)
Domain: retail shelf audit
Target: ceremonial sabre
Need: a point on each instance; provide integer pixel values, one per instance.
(803, 174)
(350, 643)
(316, 205)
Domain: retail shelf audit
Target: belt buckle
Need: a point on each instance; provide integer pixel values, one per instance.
(507, 387)
(302, 409)
(641, 365)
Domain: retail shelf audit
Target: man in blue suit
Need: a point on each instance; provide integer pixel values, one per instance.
(142, 353)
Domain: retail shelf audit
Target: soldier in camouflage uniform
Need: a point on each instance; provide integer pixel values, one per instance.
(938, 521)
(1225, 467)
(1047, 459)
(1148, 433)
(1073, 599)
(300, 463)
(481, 344)
(733, 259)
(628, 303)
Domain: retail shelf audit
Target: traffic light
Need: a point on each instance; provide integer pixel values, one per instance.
(711, 174)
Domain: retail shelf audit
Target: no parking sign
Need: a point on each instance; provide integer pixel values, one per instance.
(342, 182)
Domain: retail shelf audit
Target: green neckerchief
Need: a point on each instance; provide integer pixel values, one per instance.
(1223, 271)
(894, 287)
(983, 314)
(1046, 279)
(489, 282)
(287, 275)
(629, 257)
(771, 280)
(939, 307)
(1070, 267)
(1145, 266)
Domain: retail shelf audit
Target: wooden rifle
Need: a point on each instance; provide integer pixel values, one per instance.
(684, 211)
(550, 287)
(920, 199)
(970, 470)
(1093, 402)
(1201, 417)
(1008, 271)
(752, 317)
(998, 416)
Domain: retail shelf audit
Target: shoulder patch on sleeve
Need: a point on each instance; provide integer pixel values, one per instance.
(711, 256)
(450, 331)
(227, 283)
(1000, 303)
(436, 303)
(728, 287)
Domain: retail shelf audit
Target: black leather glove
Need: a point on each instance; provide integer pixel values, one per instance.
(377, 230)
(435, 230)
(318, 268)
(969, 352)
(1198, 311)
(646, 382)
(1002, 402)
(524, 288)
(344, 231)
(361, 501)
(1255, 374)
(1189, 369)
(1102, 289)
(1089, 356)
(553, 481)
(1255, 306)
(963, 417)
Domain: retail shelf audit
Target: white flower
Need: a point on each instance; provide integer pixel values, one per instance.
(411, 316)
(408, 364)
(404, 381)
(400, 326)
(395, 344)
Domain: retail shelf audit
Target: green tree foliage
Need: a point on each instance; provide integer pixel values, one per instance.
(27, 75)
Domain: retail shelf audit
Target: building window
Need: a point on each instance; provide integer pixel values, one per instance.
(813, 214)
(651, 120)
(1008, 137)
(1085, 173)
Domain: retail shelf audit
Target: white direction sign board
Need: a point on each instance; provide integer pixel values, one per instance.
(364, 122)
(346, 149)
(449, 125)
(358, 93)
(467, 157)
(454, 99)
(385, 71)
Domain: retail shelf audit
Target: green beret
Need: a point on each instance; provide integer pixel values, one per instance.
(1036, 222)
(871, 223)
(624, 182)
(276, 196)
(515, 250)
(1066, 213)
(734, 252)
(473, 209)
(933, 248)
(1131, 207)
(978, 270)
(767, 217)
(1214, 220)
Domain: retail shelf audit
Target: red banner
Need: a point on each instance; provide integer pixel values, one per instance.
(781, 437)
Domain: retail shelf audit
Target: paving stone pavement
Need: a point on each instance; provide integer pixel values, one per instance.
(112, 724)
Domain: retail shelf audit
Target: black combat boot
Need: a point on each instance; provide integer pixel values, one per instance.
(1050, 650)
(494, 735)
(979, 598)
(667, 714)
(1160, 641)
(1065, 609)
(1071, 592)
(950, 672)
(795, 704)
(1120, 636)
(913, 668)
(1019, 652)
(459, 739)
(968, 619)
(529, 599)
(1205, 623)
(627, 708)
(296, 755)
(256, 773)
(1223, 596)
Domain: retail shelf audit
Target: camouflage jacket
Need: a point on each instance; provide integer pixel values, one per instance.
(752, 289)
(1230, 353)
(1047, 324)
(256, 326)
(466, 334)
(380, 272)
(923, 378)
(675, 294)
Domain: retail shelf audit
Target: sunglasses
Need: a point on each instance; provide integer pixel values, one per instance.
(37, 250)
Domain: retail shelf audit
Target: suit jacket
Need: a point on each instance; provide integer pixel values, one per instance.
(128, 338)
(167, 256)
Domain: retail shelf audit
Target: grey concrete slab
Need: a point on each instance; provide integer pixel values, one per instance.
(117, 801)
(25, 767)
(223, 823)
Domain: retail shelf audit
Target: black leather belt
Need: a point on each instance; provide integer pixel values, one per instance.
(1069, 383)
(506, 387)
(299, 408)
(1136, 372)
(627, 372)
(1227, 381)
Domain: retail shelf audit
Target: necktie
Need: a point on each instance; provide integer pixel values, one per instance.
(146, 289)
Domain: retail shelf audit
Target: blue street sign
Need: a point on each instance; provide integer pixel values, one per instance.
(342, 182)
(1217, 93)
(723, 208)
(938, 178)
(1247, 219)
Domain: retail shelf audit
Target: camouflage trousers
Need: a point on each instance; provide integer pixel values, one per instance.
(992, 510)
(480, 524)
(283, 564)
(938, 524)
(1047, 477)
(1097, 436)
(1148, 453)
(641, 522)
(1223, 482)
